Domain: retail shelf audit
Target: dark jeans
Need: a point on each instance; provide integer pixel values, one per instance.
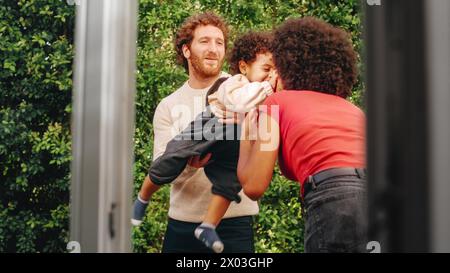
(336, 216)
(236, 234)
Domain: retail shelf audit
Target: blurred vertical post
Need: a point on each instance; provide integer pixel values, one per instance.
(438, 72)
(103, 125)
(408, 72)
(397, 126)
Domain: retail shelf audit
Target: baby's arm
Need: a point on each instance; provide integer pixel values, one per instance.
(238, 95)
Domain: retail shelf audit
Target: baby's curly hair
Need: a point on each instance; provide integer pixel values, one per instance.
(311, 54)
(185, 34)
(247, 46)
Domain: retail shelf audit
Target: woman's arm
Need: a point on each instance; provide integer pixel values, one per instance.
(257, 157)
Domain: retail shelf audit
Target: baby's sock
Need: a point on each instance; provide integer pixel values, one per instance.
(139, 208)
(208, 235)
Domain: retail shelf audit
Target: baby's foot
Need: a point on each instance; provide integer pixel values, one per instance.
(138, 211)
(208, 235)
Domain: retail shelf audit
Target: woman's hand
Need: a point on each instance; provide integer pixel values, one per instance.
(236, 118)
(250, 126)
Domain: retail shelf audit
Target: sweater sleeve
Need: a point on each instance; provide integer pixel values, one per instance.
(162, 128)
(239, 95)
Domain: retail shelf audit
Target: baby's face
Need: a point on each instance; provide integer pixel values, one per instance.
(260, 69)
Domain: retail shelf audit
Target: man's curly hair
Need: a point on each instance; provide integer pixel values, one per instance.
(247, 46)
(185, 34)
(311, 54)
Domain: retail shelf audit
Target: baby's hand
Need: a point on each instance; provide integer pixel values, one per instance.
(273, 79)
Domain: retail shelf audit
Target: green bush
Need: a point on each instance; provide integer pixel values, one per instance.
(36, 54)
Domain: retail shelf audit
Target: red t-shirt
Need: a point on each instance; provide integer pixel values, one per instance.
(317, 131)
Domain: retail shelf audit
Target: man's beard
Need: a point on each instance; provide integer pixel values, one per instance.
(203, 70)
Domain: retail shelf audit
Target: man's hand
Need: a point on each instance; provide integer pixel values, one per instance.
(198, 162)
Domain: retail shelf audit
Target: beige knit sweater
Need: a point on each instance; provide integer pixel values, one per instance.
(191, 192)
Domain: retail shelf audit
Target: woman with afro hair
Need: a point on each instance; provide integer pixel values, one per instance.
(317, 135)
